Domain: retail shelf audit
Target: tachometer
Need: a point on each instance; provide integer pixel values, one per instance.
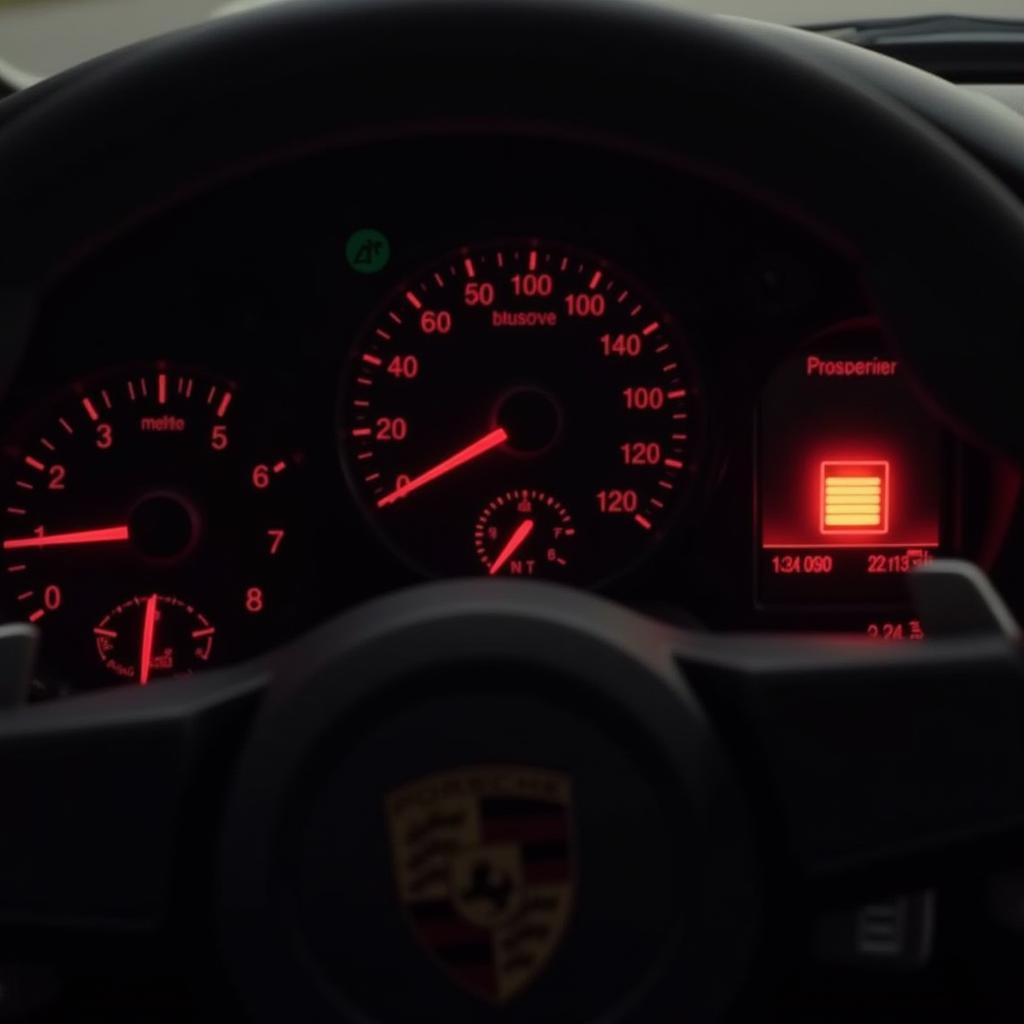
(521, 407)
(146, 528)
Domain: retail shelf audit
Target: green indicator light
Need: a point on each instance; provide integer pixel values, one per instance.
(367, 251)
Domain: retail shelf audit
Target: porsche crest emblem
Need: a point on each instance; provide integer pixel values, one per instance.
(484, 869)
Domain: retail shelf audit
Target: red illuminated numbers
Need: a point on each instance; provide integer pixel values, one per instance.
(57, 475)
(896, 630)
(585, 304)
(219, 437)
(51, 598)
(479, 293)
(532, 284)
(616, 502)
(254, 600)
(392, 429)
(104, 435)
(641, 453)
(439, 322)
(905, 561)
(261, 477)
(629, 345)
(276, 536)
(402, 480)
(644, 398)
(788, 565)
(404, 367)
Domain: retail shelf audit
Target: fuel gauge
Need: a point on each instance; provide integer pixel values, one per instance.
(153, 635)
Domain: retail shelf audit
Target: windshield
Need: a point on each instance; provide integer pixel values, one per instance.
(41, 37)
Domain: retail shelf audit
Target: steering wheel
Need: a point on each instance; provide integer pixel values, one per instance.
(477, 800)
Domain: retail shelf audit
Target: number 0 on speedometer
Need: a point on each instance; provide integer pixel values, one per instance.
(513, 392)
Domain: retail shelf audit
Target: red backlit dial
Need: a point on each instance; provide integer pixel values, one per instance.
(524, 533)
(520, 368)
(150, 481)
(153, 635)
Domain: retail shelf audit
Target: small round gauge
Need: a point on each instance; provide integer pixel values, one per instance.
(521, 367)
(155, 480)
(153, 635)
(524, 533)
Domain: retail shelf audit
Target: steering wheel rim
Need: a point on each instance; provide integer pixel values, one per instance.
(873, 171)
(951, 306)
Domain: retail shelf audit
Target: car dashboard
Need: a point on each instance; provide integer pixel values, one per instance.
(335, 374)
(481, 483)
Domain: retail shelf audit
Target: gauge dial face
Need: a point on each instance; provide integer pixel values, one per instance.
(520, 367)
(153, 635)
(524, 533)
(149, 481)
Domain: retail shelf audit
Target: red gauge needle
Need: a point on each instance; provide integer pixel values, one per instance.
(460, 458)
(515, 542)
(111, 533)
(148, 629)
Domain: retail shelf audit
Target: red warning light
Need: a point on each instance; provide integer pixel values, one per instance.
(854, 497)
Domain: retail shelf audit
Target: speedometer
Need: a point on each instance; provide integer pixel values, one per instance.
(520, 408)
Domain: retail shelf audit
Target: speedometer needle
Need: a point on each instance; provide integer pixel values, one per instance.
(515, 542)
(110, 533)
(460, 458)
(148, 630)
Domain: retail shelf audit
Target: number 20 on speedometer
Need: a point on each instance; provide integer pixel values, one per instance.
(510, 390)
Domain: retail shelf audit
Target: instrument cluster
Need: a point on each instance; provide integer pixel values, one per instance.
(319, 382)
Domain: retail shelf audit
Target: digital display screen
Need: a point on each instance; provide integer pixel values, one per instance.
(852, 476)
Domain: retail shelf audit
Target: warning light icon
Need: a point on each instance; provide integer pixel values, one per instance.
(854, 497)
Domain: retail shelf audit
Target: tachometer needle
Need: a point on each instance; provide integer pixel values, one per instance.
(148, 630)
(110, 533)
(515, 542)
(460, 458)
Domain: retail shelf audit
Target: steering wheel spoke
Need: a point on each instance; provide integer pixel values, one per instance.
(875, 754)
(100, 792)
